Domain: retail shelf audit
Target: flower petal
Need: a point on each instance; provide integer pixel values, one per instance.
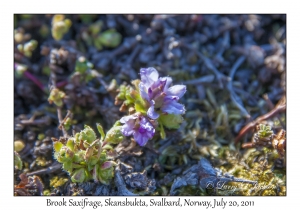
(152, 113)
(143, 92)
(148, 76)
(144, 133)
(127, 118)
(176, 90)
(168, 99)
(140, 138)
(172, 107)
(128, 128)
(168, 82)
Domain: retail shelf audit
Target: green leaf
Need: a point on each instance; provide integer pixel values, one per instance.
(128, 97)
(95, 173)
(18, 161)
(70, 144)
(88, 134)
(76, 165)
(78, 176)
(79, 156)
(107, 147)
(96, 27)
(93, 160)
(100, 130)
(103, 157)
(139, 107)
(57, 146)
(105, 175)
(114, 135)
(110, 38)
(162, 131)
(171, 121)
(68, 166)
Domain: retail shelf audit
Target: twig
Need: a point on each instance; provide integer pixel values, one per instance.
(56, 166)
(59, 115)
(201, 80)
(34, 80)
(233, 96)
(127, 45)
(225, 44)
(280, 107)
(61, 84)
(64, 120)
(44, 120)
(126, 67)
(271, 106)
(208, 63)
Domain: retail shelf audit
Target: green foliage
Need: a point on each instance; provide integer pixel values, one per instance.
(20, 69)
(81, 65)
(109, 38)
(56, 97)
(93, 36)
(171, 121)
(57, 182)
(114, 135)
(19, 145)
(264, 131)
(131, 98)
(60, 26)
(68, 123)
(18, 161)
(84, 69)
(28, 47)
(84, 156)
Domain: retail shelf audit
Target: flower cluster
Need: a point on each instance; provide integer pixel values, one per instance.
(156, 104)
(161, 97)
(152, 105)
(139, 127)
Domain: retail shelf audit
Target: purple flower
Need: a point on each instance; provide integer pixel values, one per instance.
(160, 96)
(138, 126)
